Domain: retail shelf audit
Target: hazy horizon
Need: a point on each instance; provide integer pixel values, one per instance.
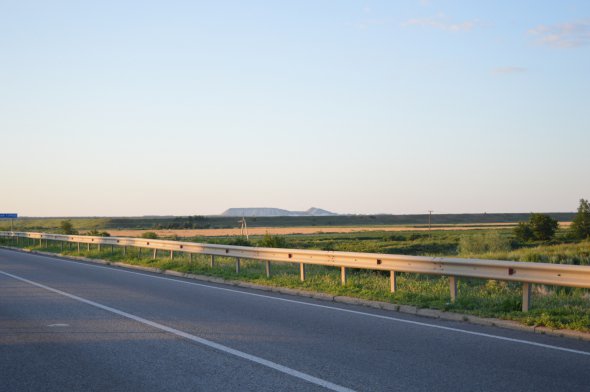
(187, 108)
(339, 213)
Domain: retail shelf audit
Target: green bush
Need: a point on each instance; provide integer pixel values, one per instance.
(150, 235)
(66, 227)
(272, 241)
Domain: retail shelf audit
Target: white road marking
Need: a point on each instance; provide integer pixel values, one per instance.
(205, 342)
(400, 320)
(58, 325)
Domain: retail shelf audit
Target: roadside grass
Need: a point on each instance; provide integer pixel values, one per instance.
(555, 307)
(572, 253)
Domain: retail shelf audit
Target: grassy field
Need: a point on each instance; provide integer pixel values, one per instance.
(554, 307)
(222, 222)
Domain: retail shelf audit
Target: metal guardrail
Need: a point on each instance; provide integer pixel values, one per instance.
(524, 272)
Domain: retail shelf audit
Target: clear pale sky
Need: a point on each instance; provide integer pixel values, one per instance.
(189, 107)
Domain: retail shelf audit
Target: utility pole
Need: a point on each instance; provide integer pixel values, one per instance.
(430, 222)
(243, 227)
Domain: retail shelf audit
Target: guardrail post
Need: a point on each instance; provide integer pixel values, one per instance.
(171, 255)
(453, 287)
(302, 272)
(237, 265)
(139, 252)
(343, 275)
(124, 251)
(62, 246)
(99, 248)
(88, 247)
(191, 257)
(212, 262)
(392, 281)
(155, 254)
(526, 296)
(267, 268)
(78, 248)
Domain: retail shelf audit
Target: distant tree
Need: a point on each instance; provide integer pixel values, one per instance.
(581, 224)
(66, 227)
(523, 232)
(543, 226)
(540, 227)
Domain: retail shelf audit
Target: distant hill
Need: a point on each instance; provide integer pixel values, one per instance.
(252, 212)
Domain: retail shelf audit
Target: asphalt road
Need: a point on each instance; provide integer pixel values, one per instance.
(74, 326)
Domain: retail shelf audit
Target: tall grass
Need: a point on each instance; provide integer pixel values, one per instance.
(484, 243)
(573, 253)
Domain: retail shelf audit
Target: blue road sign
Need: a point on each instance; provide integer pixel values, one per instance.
(9, 216)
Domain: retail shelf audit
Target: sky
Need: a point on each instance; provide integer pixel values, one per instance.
(127, 108)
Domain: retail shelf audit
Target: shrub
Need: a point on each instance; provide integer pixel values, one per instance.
(149, 235)
(66, 227)
(272, 241)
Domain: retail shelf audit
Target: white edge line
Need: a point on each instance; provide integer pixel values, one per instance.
(400, 320)
(205, 342)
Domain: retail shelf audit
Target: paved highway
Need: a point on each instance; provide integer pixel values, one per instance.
(73, 326)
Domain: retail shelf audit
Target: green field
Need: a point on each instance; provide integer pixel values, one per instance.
(221, 222)
(555, 307)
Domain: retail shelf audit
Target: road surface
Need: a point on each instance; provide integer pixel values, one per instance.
(74, 326)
